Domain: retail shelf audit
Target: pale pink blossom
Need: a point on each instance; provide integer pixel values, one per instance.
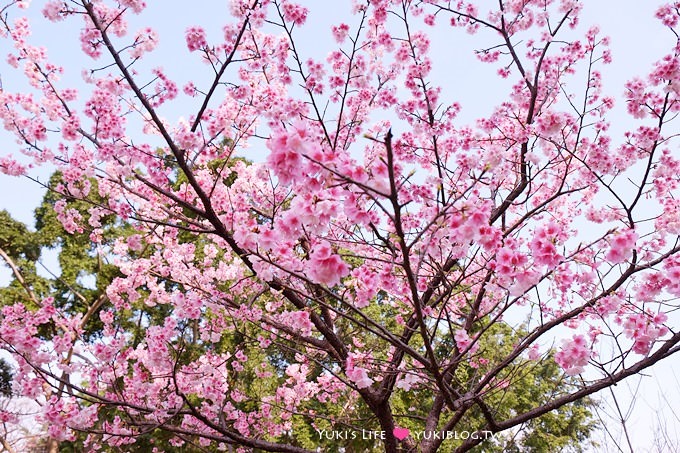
(574, 355)
(359, 376)
(325, 266)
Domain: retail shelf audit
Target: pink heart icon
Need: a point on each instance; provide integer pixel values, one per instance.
(401, 433)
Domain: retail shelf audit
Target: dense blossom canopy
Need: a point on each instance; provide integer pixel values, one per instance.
(323, 240)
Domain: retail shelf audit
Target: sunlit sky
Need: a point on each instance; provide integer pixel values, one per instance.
(637, 41)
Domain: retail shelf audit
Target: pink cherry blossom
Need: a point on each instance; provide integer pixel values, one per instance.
(574, 354)
(325, 266)
(622, 245)
(340, 32)
(359, 377)
(408, 381)
(146, 40)
(195, 39)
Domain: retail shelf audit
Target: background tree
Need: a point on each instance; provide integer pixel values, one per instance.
(365, 262)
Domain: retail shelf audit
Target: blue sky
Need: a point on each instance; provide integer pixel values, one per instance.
(637, 41)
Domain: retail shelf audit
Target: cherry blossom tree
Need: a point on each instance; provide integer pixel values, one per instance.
(22, 250)
(326, 241)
